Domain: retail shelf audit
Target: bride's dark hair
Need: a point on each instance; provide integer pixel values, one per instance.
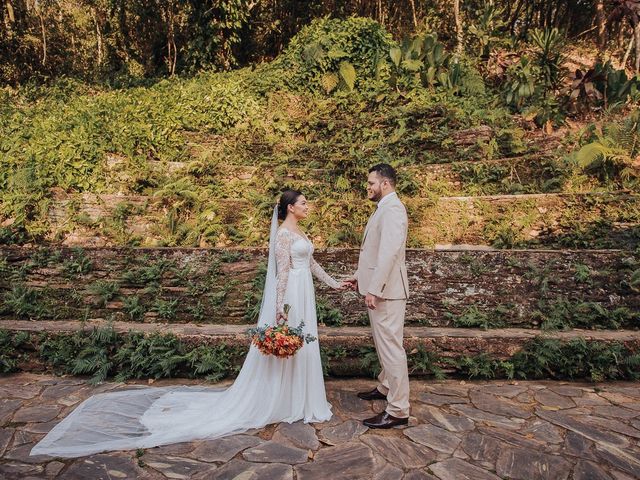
(288, 197)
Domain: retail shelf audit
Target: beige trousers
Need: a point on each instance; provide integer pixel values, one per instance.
(387, 325)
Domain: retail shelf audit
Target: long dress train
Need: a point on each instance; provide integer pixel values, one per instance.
(267, 389)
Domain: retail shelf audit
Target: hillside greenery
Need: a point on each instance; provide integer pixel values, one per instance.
(342, 96)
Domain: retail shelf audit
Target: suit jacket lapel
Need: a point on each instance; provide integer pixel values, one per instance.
(374, 215)
(366, 229)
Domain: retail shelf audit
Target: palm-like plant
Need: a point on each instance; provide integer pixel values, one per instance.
(616, 152)
(549, 57)
(486, 29)
(521, 82)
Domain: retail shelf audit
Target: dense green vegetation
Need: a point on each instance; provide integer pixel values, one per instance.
(103, 353)
(343, 95)
(119, 41)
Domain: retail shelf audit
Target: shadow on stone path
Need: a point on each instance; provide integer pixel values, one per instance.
(458, 431)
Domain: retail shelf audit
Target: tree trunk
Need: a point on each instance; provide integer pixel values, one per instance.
(628, 52)
(515, 17)
(636, 34)
(98, 36)
(600, 23)
(413, 11)
(44, 40)
(12, 17)
(459, 33)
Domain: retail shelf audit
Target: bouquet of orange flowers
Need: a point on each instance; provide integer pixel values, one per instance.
(279, 340)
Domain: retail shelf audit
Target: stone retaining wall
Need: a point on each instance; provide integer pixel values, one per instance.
(222, 286)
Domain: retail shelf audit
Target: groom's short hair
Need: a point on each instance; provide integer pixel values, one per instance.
(385, 171)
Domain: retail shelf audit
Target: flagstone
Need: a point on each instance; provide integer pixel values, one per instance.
(223, 449)
(623, 459)
(590, 399)
(240, 470)
(509, 391)
(179, 468)
(433, 437)
(552, 399)
(101, 467)
(36, 413)
(298, 434)
(567, 390)
(585, 470)
(344, 432)
(523, 464)
(275, 452)
(543, 431)
(7, 408)
(579, 446)
(439, 400)
(499, 406)
(418, 475)
(442, 419)
(400, 451)
(489, 418)
(456, 469)
(615, 412)
(348, 461)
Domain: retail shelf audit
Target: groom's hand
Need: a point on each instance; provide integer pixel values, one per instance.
(350, 283)
(371, 301)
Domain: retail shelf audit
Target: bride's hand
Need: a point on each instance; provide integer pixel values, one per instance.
(281, 316)
(349, 284)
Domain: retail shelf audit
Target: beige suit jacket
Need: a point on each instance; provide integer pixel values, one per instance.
(381, 266)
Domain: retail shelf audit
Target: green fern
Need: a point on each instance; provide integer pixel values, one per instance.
(426, 362)
(369, 361)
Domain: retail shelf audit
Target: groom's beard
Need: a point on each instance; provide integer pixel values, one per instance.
(375, 196)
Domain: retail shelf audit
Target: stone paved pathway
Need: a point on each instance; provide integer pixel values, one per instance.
(458, 431)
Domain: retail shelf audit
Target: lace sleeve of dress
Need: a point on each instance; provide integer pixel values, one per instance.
(323, 276)
(283, 265)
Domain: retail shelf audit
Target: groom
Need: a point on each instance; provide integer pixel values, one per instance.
(382, 278)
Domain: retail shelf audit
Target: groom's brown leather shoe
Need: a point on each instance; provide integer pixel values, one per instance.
(385, 420)
(374, 394)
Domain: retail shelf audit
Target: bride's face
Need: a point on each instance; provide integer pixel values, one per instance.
(300, 209)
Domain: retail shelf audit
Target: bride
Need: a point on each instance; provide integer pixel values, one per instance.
(267, 389)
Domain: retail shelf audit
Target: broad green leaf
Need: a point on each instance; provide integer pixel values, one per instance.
(348, 74)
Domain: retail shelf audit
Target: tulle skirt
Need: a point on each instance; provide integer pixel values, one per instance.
(267, 390)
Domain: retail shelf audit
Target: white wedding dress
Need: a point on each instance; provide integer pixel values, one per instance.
(267, 389)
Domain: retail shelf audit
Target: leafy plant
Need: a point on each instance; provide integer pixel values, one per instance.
(548, 57)
(332, 54)
(369, 361)
(582, 274)
(486, 30)
(521, 83)
(426, 362)
(253, 297)
(473, 317)
(95, 355)
(25, 302)
(104, 290)
(550, 358)
(327, 315)
(479, 366)
(149, 356)
(614, 154)
(10, 345)
(77, 263)
(134, 308)
(212, 361)
(149, 274)
(424, 58)
(166, 309)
